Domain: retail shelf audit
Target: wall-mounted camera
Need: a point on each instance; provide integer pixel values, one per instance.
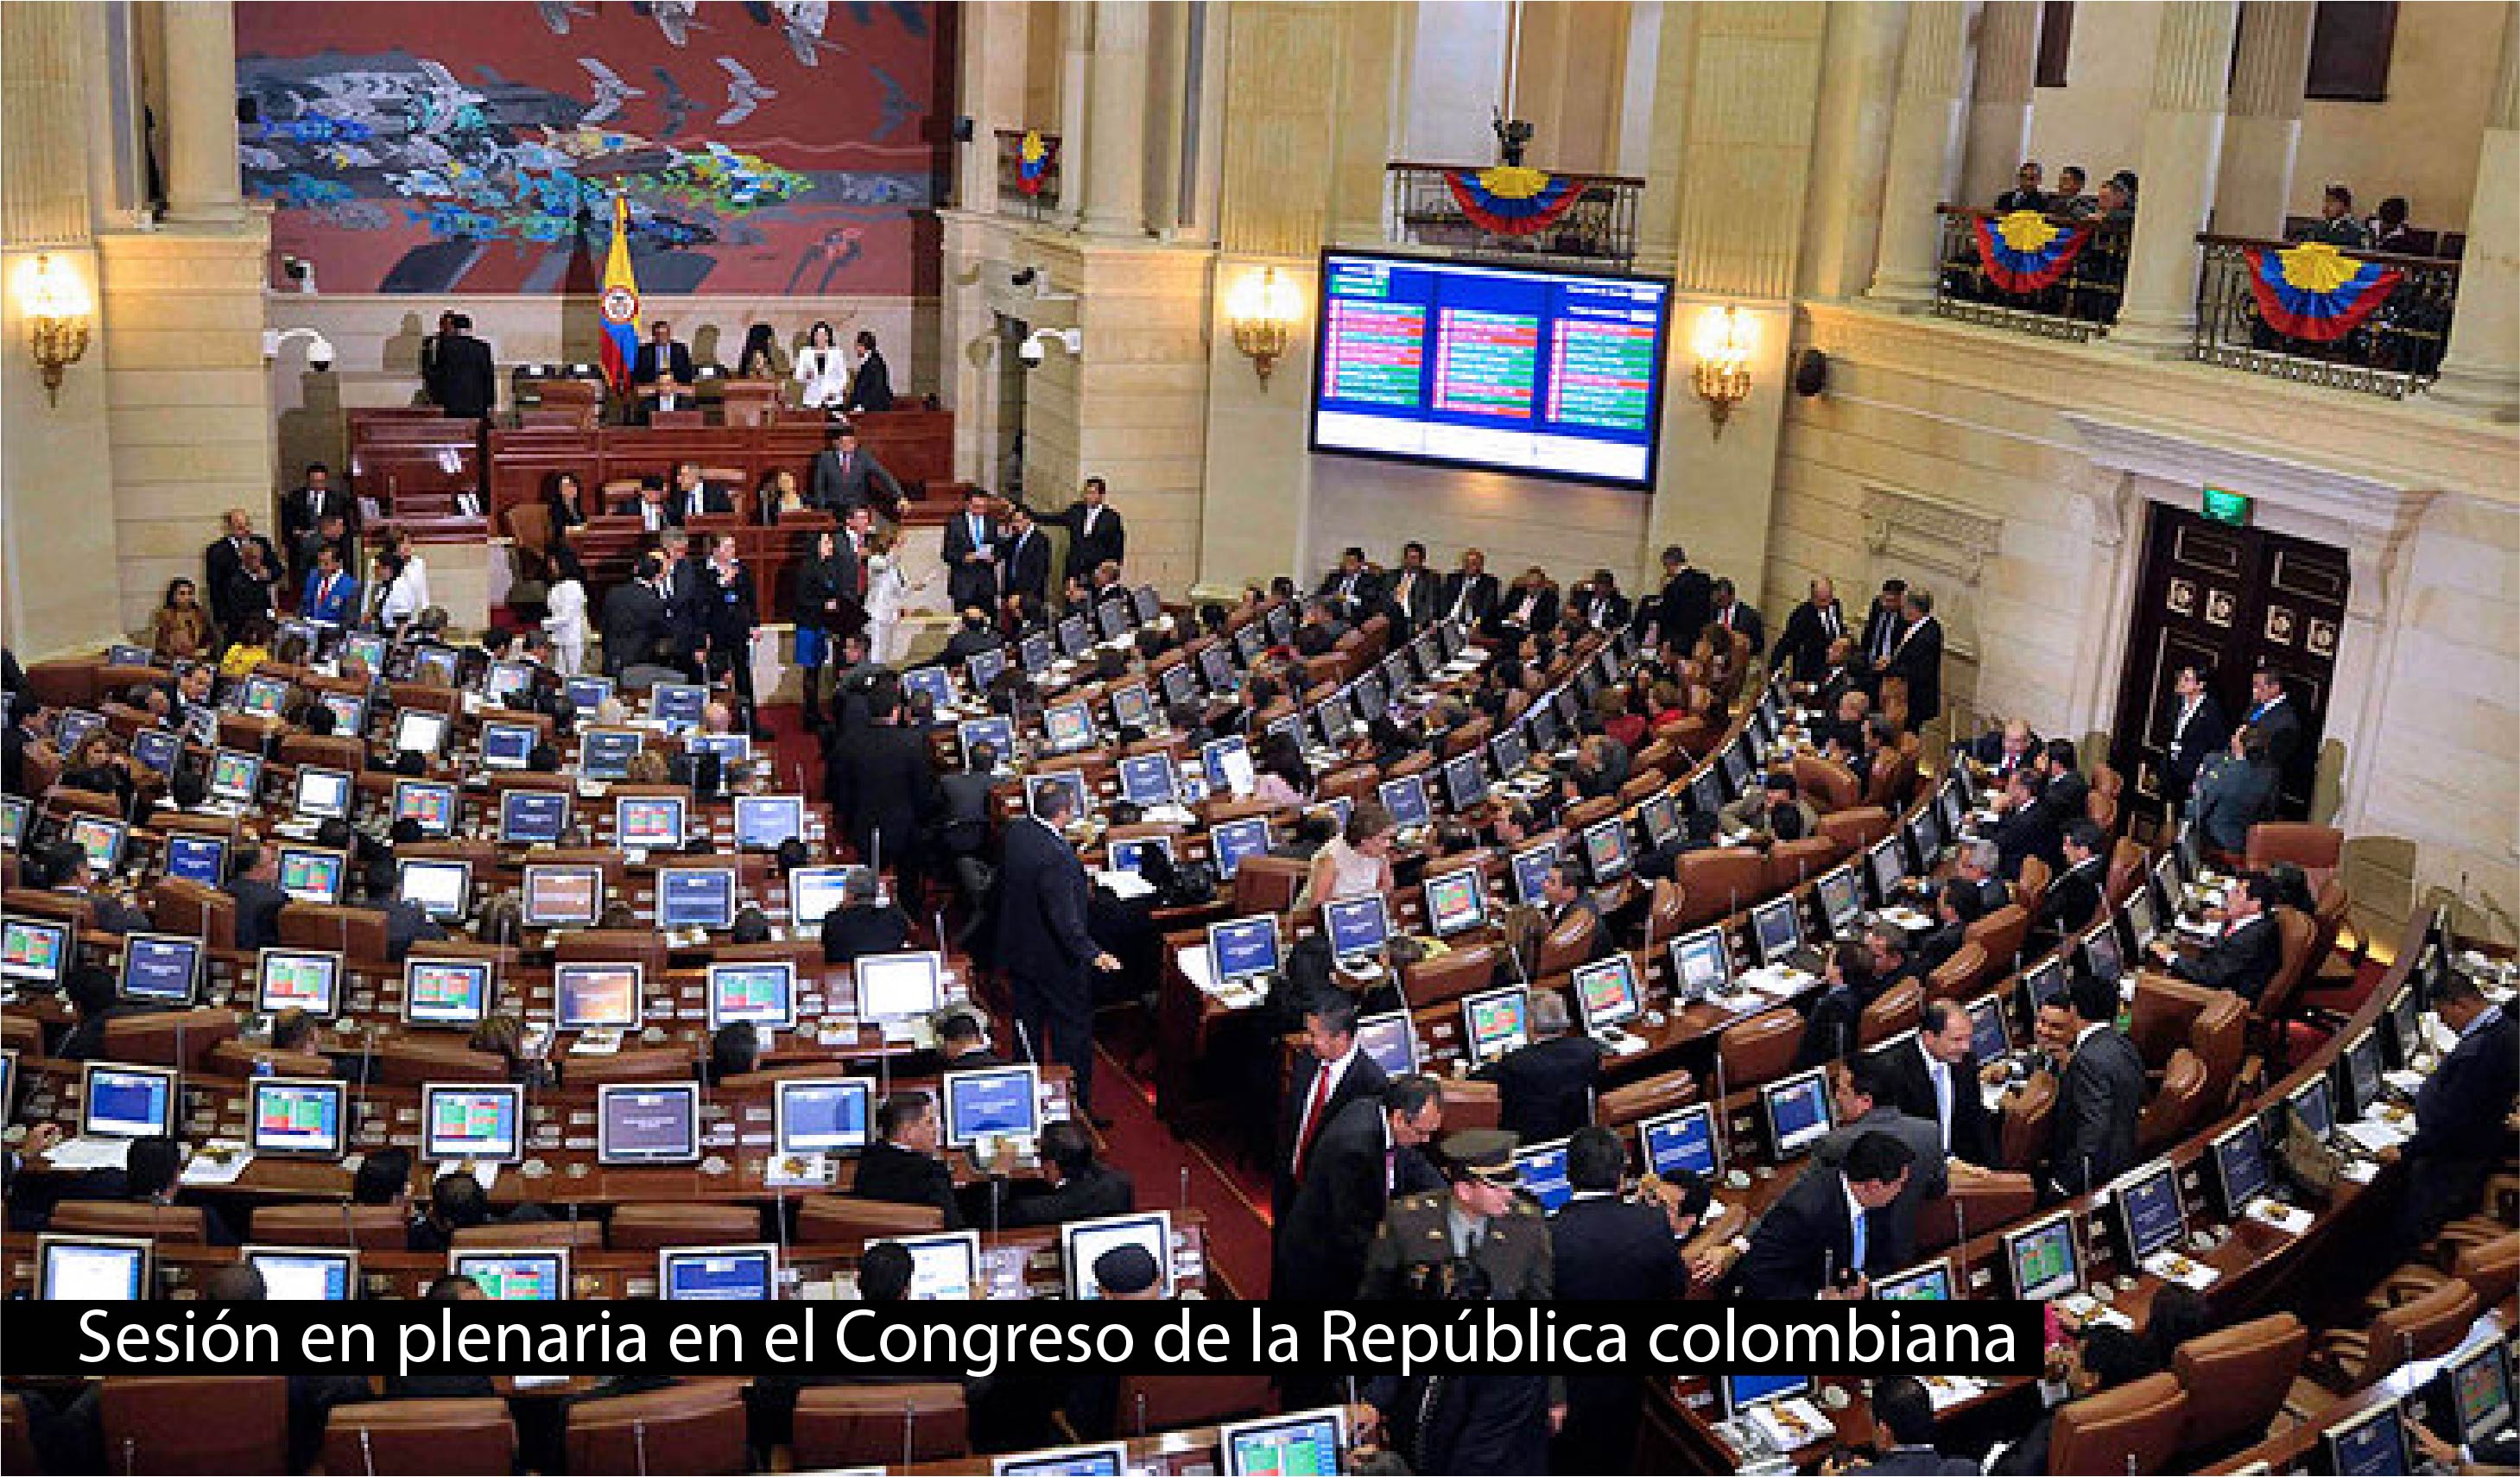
(1035, 349)
(299, 269)
(319, 349)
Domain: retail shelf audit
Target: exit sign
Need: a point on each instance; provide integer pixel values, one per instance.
(2230, 508)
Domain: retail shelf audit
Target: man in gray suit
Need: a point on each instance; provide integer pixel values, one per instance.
(1865, 1095)
(2091, 1136)
(847, 475)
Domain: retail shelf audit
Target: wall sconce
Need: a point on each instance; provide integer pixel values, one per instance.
(1262, 311)
(58, 308)
(1723, 363)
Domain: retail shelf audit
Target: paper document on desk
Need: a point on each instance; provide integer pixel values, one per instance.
(1127, 886)
(2291, 1220)
(2171, 1267)
(1790, 1424)
(2371, 1136)
(90, 1153)
(1197, 967)
(1947, 1390)
(206, 1167)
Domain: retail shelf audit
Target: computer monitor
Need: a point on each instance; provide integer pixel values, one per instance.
(1279, 622)
(944, 1266)
(2043, 1258)
(533, 816)
(1496, 1021)
(1929, 1284)
(1683, 1139)
(1067, 727)
(535, 1276)
(2045, 984)
(431, 805)
(443, 888)
(1357, 926)
(695, 897)
(298, 979)
(677, 704)
(259, 697)
(1775, 929)
(1457, 901)
(102, 839)
(1148, 780)
(2359, 1072)
(2404, 1027)
(935, 680)
(2373, 1442)
(421, 730)
(814, 891)
(900, 986)
(562, 895)
(1465, 782)
(2146, 1209)
(759, 992)
(445, 992)
(1335, 720)
(1925, 838)
(1531, 867)
(1107, 1458)
(1306, 1441)
(300, 1115)
(1244, 948)
(471, 1120)
(1231, 842)
(999, 733)
(982, 668)
(1990, 1033)
(590, 994)
(2236, 1169)
(1607, 992)
(321, 795)
(718, 1273)
(157, 749)
(647, 1123)
(1659, 819)
(1129, 854)
(994, 1103)
(605, 755)
(1953, 806)
(305, 1274)
(35, 951)
(648, 823)
(1390, 1041)
(1543, 1168)
(763, 822)
(1701, 962)
(1071, 782)
(1146, 603)
(1083, 1242)
(1509, 753)
(197, 857)
(1226, 763)
(2143, 917)
(1215, 669)
(312, 874)
(120, 1101)
(1885, 864)
(822, 1115)
(1797, 1112)
(1606, 857)
(1739, 1392)
(235, 778)
(2473, 1397)
(508, 745)
(13, 811)
(91, 1269)
(1033, 653)
(2101, 953)
(1114, 617)
(1406, 799)
(2317, 1105)
(1842, 900)
(163, 968)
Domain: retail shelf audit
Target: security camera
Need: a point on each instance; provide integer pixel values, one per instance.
(1031, 352)
(319, 349)
(1024, 276)
(319, 354)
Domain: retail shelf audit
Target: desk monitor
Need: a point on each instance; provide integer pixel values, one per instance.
(1457, 901)
(597, 994)
(2375, 1442)
(563, 895)
(1109, 1458)
(2476, 1391)
(368, 647)
(1797, 1110)
(1114, 618)
(982, 668)
(533, 816)
(124, 655)
(1842, 900)
(2359, 1072)
(234, 777)
(1080, 798)
(1739, 1392)
(313, 875)
(1929, 1284)
(1683, 1139)
(2316, 1101)
(900, 986)
(677, 704)
(1659, 819)
(1777, 929)
(1240, 949)
(13, 811)
(1990, 1033)
(298, 979)
(1739, 766)
(695, 897)
(1390, 1041)
(1180, 683)
(814, 891)
(718, 1273)
(2236, 1169)
(2150, 1217)
(1147, 603)
(1082, 1242)
(421, 730)
(1066, 727)
(2101, 953)
(163, 968)
(1952, 807)
(321, 795)
(1226, 763)
(648, 823)
(1231, 842)
(1128, 853)
(2143, 917)
(197, 857)
(1406, 799)
(1278, 621)
(1543, 1171)
(2041, 1258)
(437, 661)
(103, 840)
(261, 696)
(350, 712)
(2165, 883)
(1073, 638)
(1335, 720)
(1356, 925)
(606, 753)
(995, 1102)
(445, 992)
(1531, 869)
(763, 822)
(1133, 709)
(1606, 857)
(1540, 721)
(1033, 652)
(647, 1123)
(120, 1101)
(506, 744)
(33, 951)
(999, 733)
(305, 1274)
(822, 1115)
(1496, 1021)
(429, 803)
(944, 1265)
(1148, 780)
(1338, 808)
(1509, 753)
(471, 1120)
(2404, 1028)
(537, 1275)
(1885, 864)
(752, 992)
(1216, 669)
(1607, 992)
(2045, 983)
(1701, 962)
(1570, 709)
(1465, 782)
(2190, 852)
(1706, 793)
(443, 888)
(91, 1269)
(935, 680)
(157, 749)
(1312, 1442)
(1925, 839)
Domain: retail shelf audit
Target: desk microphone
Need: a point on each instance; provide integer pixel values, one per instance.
(909, 1430)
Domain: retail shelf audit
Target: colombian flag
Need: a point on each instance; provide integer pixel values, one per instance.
(1511, 199)
(619, 304)
(1033, 162)
(2316, 293)
(2025, 251)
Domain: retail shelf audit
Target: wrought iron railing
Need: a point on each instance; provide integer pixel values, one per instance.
(2080, 300)
(1583, 217)
(2388, 350)
(1027, 190)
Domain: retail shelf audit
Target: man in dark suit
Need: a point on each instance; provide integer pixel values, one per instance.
(1562, 898)
(2023, 828)
(1351, 590)
(662, 372)
(1827, 1237)
(902, 1166)
(2007, 749)
(1414, 592)
(1728, 611)
(1917, 657)
(1545, 1090)
(847, 475)
(253, 880)
(2235, 790)
(2275, 718)
(971, 554)
(223, 567)
(1607, 1249)
(1330, 1072)
(1096, 535)
(1934, 1078)
(731, 613)
(1043, 944)
(975, 635)
(1808, 629)
(1902, 1418)
(1471, 592)
(2091, 1136)
(893, 791)
(1367, 1156)
(459, 372)
(1600, 605)
(2074, 896)
(1527, 608)
(862, 925)
(1882, 624)
(2460, 1112)
(634, 617)
(1687, 597)
(1080, 1187)
(1863, 1089)
(2250, 950)
(695, 498)
(871, 387)
(1024, 564)
(302, 513)
(2197, 732)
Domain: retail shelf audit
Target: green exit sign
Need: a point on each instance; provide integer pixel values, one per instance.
(2230, 508)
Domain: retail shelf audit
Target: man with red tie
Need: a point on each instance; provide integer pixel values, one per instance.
(330, 595)
(1367, 1156)
(1332, 1073)
(1732, 615)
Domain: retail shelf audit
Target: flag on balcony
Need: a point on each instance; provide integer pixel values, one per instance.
(1511, 199)
(2024, 251)
(2314, 291)
(620, 303)
(1033, 162)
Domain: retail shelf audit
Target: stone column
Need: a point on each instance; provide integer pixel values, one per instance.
(1369, 53)
(2481, 370)
(2183, 142)
(1116, 174)
(201, 180)
(1924, 134)
(2000, 101)
(1075, 108)
(2264, 124)
(993, 85)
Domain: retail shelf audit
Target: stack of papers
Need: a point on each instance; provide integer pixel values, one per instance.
(2373, 1135)
(1947, 1390)
(90, 1153)
(2171, 1267)
(2291, 1220)
(218, 1162)
(1790, 1424)
(1127, 886)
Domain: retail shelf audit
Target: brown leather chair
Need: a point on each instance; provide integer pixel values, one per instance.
(2103, 811)
(880, 1425)
(1761, 1048)
(2220, 1038)
(169, 1038)
(1644, 1097)
(341, 751)
(2032, 884)
(1718, 882)
(846, 1219)
(410, 1060)
(1355, 781)
(655, 1064)
(2132, 1428)
(625, 946)
(2127, 863)
(1586, 812)
(1983, 1201)
(1170, 1402)
(2315, 849)
(2295, 933)
(1267, 884)
(1642, 785)
(2023, 1129)
(578, 1236)
(1891, 780)
(388, 1437)
(2420, 1328)
(17, 1436)
(645, 1227)
(1469, 736)
(357, 933)
(236, 1061)
(1957, 977)
(1857, 828)
(1449, 976)
(686, 1429)
(1828, 785)
(2001, 935)
(21, 1034)
(1892, 1012)
(2491, 1268)
(1568, 943)
(1792, 864)
(2236, 1379)
(190, 1423)
(2176, 1105)
(369, 1228)
(162, 1223)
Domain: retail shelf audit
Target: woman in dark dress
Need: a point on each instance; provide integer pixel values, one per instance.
(823, 610)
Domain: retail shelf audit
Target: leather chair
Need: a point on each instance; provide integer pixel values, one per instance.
(2103, 811)
(408, 1061)
(1857, 828)
(880, 1425)
(341, 751)
(1355, 781)
(686, 1429)
(577, 1235)
(1170, 1402)
(21, 1034)
(2023, 1134)
(2491, 1267)
(1957, 977)
(657, 1064)
(369, 1228)
(236, 1061)
(1693, 736)
(1792, 864)
(2220, 1039)
(1568, 943)
(2334, 983)
(1828, 785)
(1642, 784)
(1892, 1012)
(162, 1223)
(1890, 781)
(358, 933)
(2164, 1013)
(2032, 884)
(2132, 1428)
(64, 799)
(2420, 1328)
(1471, 1104)
(1644, 1097)
(2127, 863)
(1449, 976)
(1761, 1048)
(2108, 781)
(2176, 1106)
(17, 1436)
(1470, 737)
(645, 1227)
(2316, 849)
(624, 946)
(2001, 935)
(190, 1423)
(181, 1039)
(846, 1219)
(2295, 933)
(1419, 762)
(1983, 1201)
(2236, 1379)
(1718, 882)
(387, 1436)
(1586, 812)
(1267, 884)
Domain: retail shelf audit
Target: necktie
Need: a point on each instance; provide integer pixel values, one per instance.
(1090, 515)
(324, 595)
(1860, 1239)
(1942, 1097)
(1312, 1124)
(1829, 621)
(1726, 619)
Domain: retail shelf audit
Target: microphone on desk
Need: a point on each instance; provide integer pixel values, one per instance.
(909, 1430)
(1185, 1188)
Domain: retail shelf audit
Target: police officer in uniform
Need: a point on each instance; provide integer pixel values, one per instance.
(1479, 1217)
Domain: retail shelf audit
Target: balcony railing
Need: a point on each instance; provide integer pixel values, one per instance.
(2078, 300)
(1583, 217)
(2390, 351)
(1033, 192)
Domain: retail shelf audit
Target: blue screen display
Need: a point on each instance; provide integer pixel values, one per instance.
(198, 859)
(1684, 1140)
(695, 898)
(695, 1278)
(990, 1102)
(1245, 948)
(528, 817)
(1544, 1175)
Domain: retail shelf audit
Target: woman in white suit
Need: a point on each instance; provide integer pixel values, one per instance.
(566, 622)
(822, 372)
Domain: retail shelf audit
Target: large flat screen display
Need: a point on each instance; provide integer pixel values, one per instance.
(1512, 369)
